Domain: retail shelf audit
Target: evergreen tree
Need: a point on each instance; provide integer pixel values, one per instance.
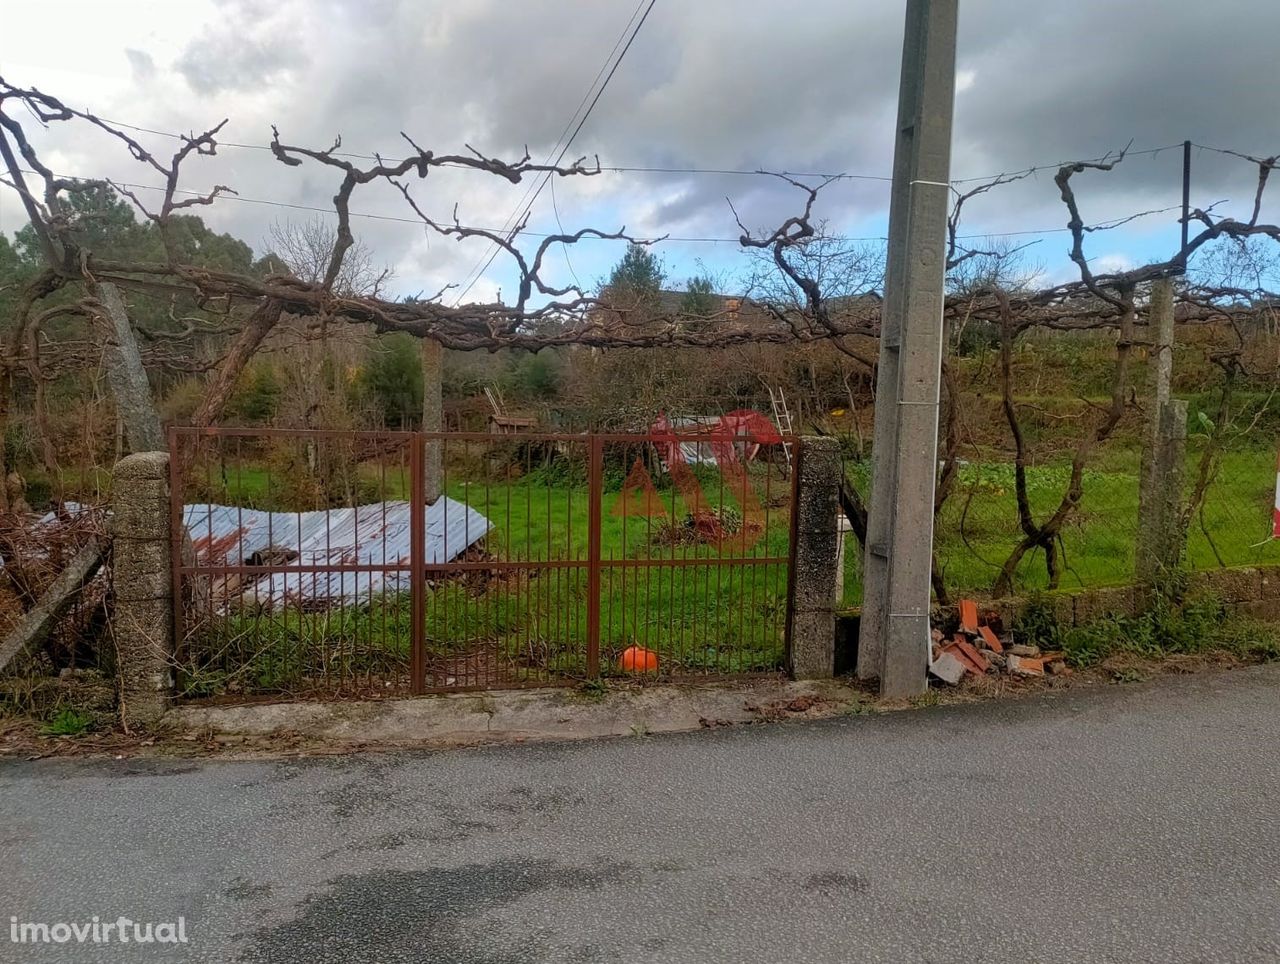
(635, 284)
(699, 301)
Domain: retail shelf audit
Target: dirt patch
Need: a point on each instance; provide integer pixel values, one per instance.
(480, 668)
(807, 705)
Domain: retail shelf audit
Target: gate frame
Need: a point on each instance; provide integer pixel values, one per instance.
(416, 566)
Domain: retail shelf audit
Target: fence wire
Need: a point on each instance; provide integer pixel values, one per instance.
(1228, 491)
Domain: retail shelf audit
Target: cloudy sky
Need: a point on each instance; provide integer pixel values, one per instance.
(724, 84)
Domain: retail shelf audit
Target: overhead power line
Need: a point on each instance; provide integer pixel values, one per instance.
(728, 171)
(523, 212)
(508, 223)
(398, 219)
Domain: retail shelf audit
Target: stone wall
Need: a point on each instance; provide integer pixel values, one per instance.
(1246, 590)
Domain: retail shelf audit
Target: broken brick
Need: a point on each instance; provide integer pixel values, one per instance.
(969, 664)
(948, 668)
(1057, 667)
(1021, 650)
(971, 651)
(968, 615)
(1025, 665)
(991, 639)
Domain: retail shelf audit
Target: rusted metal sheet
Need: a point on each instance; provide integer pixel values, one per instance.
(335, 554)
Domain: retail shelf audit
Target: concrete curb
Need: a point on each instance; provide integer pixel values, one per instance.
(520, 715)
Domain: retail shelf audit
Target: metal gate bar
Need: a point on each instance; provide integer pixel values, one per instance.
(705, 591)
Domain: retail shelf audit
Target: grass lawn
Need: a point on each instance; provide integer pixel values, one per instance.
(978, 526)
(698, 616)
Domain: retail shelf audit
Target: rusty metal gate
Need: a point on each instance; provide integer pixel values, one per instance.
(319, 561)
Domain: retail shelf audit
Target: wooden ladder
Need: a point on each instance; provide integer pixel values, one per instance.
(781, 417)
(496, 401)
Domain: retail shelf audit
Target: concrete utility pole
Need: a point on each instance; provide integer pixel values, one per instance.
(1160, 537)
(893, 642)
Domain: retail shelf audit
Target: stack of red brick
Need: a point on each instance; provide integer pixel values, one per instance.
(980, 647)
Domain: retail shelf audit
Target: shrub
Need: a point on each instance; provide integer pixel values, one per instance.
(257, 397)
(1168, 628)
(181, 401)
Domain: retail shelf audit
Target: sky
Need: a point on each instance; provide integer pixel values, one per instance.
(714, 84)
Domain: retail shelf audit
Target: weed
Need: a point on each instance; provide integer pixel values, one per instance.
(1167, 628)
(592, 690)
(69, 722)
(1127, 675)
(1038, 626)
(639, 729)
(1249, 638)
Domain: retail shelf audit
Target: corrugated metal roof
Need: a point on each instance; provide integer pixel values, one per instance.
(376, 534)
(735, 436)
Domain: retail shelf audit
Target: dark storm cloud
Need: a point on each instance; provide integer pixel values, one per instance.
(1101, 73)
(725, 84)
(1075, 80)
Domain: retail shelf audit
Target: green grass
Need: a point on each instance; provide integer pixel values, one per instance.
(699, 617)
(1193, 627)
(704, 618)
(978, 527)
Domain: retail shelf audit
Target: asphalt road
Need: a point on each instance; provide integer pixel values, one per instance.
(1130, 823)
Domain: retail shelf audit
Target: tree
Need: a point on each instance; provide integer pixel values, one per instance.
(318, 352)
(249, 300)
(699, 301)
(842, 270)
(98, 219)
(14, 275)
(393, 379)
(304, 248)
(634, 288)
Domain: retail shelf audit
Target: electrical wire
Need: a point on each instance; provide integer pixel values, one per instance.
(510, 222)
(564, 150)
(1100, 225)
(732, 172)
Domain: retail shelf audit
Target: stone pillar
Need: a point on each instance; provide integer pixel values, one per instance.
(1160, 326)
(843, 528)
(813, 617)
(142, 618)
(1161, 540)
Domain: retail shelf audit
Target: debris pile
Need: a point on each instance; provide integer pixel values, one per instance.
(980, 647)
(53, 587)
